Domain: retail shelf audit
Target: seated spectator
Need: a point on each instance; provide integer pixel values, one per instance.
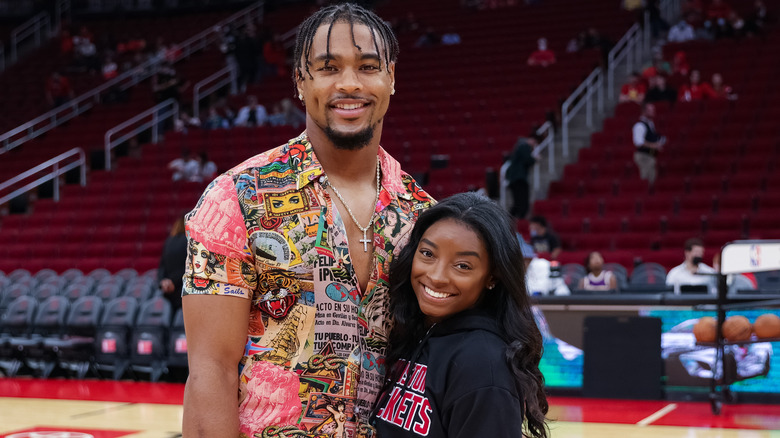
(291, 114)
(185, 122)
(539, 277)
(184, 168)
(450, 38)
(86, 56)
(634, 90)
(110, 70)
(542, 57)
(756, 21)
(597, 278)
(543, 239)
(691, 270)
(659, 92)
(252, 114)
(681, 32)
(215, 121)
(695, 89)
(166, 83)
(721, 20)
(680, 64)
(208, 169)
(577, 43)
(58, 90)
(721, 90)
(658, 66)
(428, 39)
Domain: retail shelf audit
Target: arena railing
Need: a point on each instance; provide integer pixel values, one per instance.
(630, 48)
(592, 87)
(57, 170)
(57, 116)
(210, 85)
(153, 119)
(547, 144)
(37, 28)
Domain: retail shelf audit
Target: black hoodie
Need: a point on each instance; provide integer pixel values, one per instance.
(456, 384)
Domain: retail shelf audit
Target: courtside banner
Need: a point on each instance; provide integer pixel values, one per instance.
(750, 256)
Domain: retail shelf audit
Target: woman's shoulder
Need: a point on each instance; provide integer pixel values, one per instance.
(476, 356)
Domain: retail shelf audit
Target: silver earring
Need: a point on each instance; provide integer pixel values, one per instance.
(300, 97)
(491, 286)
(392, 92)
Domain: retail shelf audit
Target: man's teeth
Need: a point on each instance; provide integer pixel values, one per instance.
(349, 106)
(435, 294)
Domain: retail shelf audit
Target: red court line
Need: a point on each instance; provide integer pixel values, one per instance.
(94, 390)
(97, 433)
(592, 410)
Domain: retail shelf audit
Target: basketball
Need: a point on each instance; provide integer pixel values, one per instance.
(767, 326)
(705, 329)
(737, 328)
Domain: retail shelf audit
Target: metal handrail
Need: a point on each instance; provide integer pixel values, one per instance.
(61, 10)
(223, 77)
(54, 175)
(55, 117)
(159, 113)
(549, 144)
(630, 47)
(32, 27)
(583, 96)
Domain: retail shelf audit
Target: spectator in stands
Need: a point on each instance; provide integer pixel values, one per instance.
(660, 92)
(647, 143)
(251, 114)
(247, 53)
(167, 84)
(691, 270)
(542, 57)
(58, 90)
(428, 39)
(721, 90)
(285, 113)
(524, 156)
(208, 168)
(214, 120)
(171, 270)
(634, 90)
(755, 23)
(86, 55)
(681, 32)
(658, 66)
(695, 89)
(722, 21)
(109, 70)
(543, 239)
(597, 278)
(680, 66)
(227, 45)
(184, 168)
(185, 122)
(275, 55)
(539, 278)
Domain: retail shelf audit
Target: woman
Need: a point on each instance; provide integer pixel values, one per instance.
(597, 278)
(465, 350)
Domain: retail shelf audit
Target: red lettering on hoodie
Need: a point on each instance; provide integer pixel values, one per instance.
(423, 426)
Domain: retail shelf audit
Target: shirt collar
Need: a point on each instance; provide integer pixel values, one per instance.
(300, 154)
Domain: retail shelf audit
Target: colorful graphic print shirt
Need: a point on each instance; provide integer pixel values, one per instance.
(268, 231)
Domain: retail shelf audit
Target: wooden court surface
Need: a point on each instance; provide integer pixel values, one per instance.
(34, 408)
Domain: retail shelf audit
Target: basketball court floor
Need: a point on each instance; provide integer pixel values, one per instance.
(36, 408)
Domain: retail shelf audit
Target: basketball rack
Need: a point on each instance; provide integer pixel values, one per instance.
(738, 257)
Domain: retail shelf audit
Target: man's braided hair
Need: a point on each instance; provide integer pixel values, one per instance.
(348, 13)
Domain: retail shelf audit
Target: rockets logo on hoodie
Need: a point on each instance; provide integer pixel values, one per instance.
(407, 407)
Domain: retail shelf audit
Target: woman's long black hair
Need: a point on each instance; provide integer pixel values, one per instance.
(508, 301)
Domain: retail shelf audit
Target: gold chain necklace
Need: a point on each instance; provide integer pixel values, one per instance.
(364, 240)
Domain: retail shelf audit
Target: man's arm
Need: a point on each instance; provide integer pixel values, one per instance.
(216, 328)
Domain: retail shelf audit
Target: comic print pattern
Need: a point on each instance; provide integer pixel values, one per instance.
(267, 231)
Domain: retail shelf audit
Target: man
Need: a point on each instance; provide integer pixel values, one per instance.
(660, 92)
(286, 281)
(691, 270)
(543, 239)
(681, 32)
(542, 56)
(634, 90)
(647, 143)
(538, 274)
(251, 114)
(523, 159)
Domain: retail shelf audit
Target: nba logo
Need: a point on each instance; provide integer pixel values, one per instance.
(181, 345)
(755, 255)
(144, 347)
(108, 345)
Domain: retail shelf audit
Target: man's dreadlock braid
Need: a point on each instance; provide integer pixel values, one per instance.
(344, 12)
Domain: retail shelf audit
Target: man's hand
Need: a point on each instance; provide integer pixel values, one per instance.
(166, 285)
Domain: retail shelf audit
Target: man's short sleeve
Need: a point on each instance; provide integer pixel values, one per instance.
(218, 259)
(639, 132)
